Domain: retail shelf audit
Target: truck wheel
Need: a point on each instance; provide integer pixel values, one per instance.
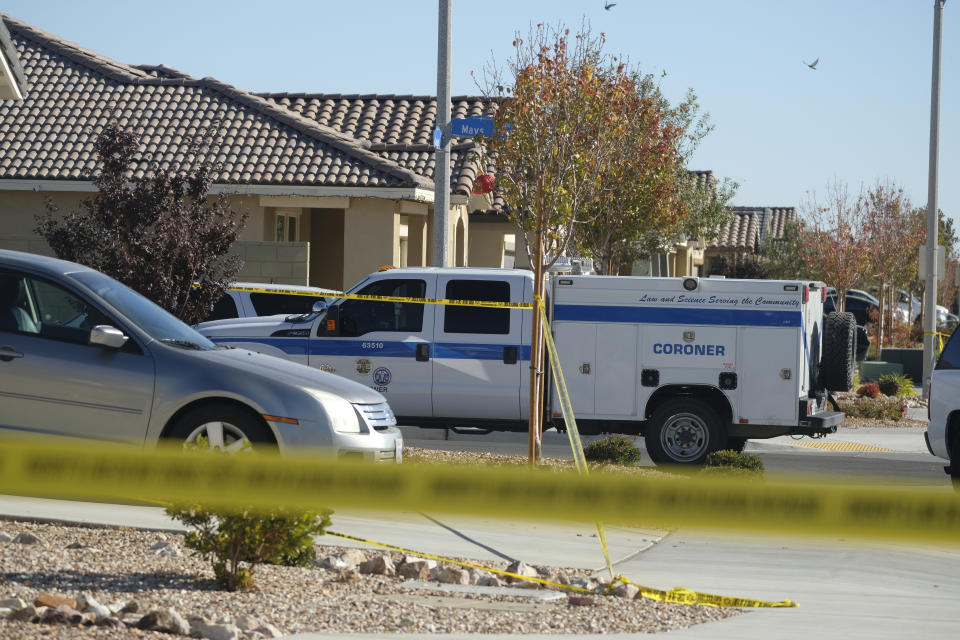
(684, 431)
(838, 357)
(737, 444)
(955, 462)
(221, 426)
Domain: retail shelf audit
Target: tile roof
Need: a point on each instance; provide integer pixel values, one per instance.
(74, 91)
(751, 226)
(398, 127)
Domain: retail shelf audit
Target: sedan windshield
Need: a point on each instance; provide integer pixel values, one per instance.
(157, 323)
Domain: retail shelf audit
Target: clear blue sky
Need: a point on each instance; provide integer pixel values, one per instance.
(781, 128)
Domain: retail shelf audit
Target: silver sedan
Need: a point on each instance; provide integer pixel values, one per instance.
(83, 355)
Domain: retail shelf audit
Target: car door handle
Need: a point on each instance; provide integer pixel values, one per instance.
(509, 355)
(423, 352)
(9, 353)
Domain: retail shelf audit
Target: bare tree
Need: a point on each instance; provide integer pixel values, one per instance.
(834, 247)
(563, 114)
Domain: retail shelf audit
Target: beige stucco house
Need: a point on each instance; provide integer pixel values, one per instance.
(747, 231)
(334, 186)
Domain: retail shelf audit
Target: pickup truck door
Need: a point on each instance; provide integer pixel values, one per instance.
(479, 355)
(384, 345)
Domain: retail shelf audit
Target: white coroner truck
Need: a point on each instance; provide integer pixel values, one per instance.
(693, 364)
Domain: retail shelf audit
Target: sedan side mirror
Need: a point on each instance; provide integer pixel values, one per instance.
(320, 306)
(107, 336)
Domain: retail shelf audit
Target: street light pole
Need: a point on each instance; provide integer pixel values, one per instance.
(441, 169)
(930, 295)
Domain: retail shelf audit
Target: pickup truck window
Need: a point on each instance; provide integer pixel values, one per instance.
(475, 319)
(271, 304)
(224, 308)
(359, 317)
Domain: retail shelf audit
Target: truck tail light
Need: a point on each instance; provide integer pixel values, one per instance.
(806, 293)
(823, 294)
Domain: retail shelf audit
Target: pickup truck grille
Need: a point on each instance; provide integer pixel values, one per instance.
(377, 416)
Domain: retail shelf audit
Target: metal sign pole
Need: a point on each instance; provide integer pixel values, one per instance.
(441, 172)
(930, 295)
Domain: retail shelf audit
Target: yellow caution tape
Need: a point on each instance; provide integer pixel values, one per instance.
(680, 595)
(940, 337)
(573, 433)
(829, 507)
(354, 296)
(676, 595)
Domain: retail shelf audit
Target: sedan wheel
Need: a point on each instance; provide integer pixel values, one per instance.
(218, 435)
(225, 427)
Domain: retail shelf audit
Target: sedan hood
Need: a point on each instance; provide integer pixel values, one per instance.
(257, 364)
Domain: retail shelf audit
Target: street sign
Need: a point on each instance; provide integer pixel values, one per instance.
(469, 127)
(941, 262)
(437, 138)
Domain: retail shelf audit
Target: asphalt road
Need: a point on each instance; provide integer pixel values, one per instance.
(908, 464)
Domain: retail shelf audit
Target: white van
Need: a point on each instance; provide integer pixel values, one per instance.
(943, 429)
(694, 364)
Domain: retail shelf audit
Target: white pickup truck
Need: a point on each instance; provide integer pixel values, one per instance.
(693, 364)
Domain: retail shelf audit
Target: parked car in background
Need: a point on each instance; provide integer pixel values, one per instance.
(860, 307)
(908, 307)
(273, 299)
(82, 355)
(946, 321)
(860, 293)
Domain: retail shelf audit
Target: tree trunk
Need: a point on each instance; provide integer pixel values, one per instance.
(536, 359)
(881, 321)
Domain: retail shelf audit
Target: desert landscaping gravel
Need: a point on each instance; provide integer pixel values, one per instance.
(115, 566)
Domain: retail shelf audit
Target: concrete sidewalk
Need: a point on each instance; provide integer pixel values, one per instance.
(845, 589)
(562, 544)
(896, 439)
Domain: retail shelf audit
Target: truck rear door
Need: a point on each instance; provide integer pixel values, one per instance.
(478, 351)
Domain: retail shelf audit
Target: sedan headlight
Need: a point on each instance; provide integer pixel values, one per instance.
(340, 413)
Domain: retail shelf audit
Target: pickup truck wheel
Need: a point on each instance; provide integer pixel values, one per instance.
(737, 444)
(684, 431)
(220, 426)
(838, 360)
(955, 462)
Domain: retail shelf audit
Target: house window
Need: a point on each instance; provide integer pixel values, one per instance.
(286, 226)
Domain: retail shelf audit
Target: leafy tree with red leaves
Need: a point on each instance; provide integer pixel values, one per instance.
(160, 234)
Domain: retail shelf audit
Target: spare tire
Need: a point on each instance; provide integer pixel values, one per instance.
(838, 360)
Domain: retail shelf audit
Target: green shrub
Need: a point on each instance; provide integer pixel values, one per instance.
(869, 390)
(615, 449)
(888, 384)
(896, 384)
(729, 461)
(236, 540)
(882, 408)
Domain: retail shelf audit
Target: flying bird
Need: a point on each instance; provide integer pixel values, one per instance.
(609, 5)
(812, 65)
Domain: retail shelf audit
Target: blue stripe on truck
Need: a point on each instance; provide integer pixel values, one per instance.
(674, 315)
(381, 348)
